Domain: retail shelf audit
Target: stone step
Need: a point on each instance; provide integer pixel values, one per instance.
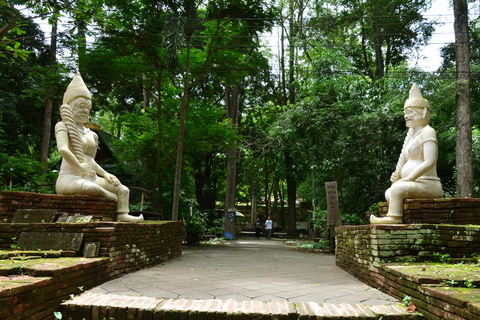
(107, 306)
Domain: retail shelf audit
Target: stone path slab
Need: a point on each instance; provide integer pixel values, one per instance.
(248, 270)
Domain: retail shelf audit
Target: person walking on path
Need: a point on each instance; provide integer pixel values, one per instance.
(268, 227)
(258, 226)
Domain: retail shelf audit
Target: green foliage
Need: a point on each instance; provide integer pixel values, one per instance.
(217, 228)
(468, 283)
(442, 257)
(195, 227)
(321, 244)
(406, 300)
(196, 223)
(450, 283)
(350, 135)
(20, 173)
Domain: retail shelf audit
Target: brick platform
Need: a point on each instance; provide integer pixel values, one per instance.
(126, 247)
(49, 283)
(95, 306)
(365, 251)
(458, 211)
(130, 246)
(100, 208)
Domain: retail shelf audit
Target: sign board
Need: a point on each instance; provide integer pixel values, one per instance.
(333, 215)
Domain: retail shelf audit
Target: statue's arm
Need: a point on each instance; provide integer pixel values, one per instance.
(61, 135)
(110, 178)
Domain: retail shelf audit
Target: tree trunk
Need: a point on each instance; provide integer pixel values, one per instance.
(267, 200)
(379, 63)
(146, 96)
(253, 212)
(47, 118)
(292, 196)
(290, 170)
(81, 37)
(232, 100)
(181, 135)
(464, 156)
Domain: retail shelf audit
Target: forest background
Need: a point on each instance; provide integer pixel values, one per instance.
(205, 111)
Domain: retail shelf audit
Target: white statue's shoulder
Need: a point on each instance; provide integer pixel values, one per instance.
(60, 126)
(429, 134)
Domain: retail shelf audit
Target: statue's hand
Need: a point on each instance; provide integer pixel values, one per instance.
(395, 177)
(111, 179)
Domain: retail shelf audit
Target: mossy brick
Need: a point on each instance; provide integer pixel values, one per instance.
(466, 314)
(457, 244)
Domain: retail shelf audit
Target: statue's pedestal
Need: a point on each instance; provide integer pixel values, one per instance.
(361, 250)
(458, 211)
(100, 208)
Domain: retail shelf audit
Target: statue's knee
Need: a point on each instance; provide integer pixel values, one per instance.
(123, 191)
(398, 190)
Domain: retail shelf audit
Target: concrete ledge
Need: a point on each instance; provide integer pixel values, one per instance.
(98, 306)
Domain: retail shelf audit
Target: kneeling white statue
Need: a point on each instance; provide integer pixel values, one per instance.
(416, 172)
(79, 173)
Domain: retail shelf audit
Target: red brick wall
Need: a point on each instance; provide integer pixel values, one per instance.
(363, 251)
(100, 208)
(460, 211)
(126, 246)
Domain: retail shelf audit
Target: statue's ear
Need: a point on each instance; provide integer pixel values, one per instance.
(424, 113)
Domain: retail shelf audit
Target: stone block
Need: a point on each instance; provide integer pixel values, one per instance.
(50, 241)
(78, 218)
(91, 249)
(34, 216)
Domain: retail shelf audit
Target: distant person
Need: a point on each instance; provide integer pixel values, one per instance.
(268, 228)
(258, 226)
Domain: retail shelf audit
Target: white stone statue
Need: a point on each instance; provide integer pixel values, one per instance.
(416, 172)
(79, 173)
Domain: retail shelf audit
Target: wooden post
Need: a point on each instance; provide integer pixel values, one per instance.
(333, 212)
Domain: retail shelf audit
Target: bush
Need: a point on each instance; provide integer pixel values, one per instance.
(195, 227)
(217, 228)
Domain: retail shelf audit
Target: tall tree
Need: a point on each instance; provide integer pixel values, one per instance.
(377, 34)
(52, 65)
(463, 116)
(232, 101)
(289, 161)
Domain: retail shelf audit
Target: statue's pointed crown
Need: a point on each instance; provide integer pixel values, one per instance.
(416, 99)
(75, 89)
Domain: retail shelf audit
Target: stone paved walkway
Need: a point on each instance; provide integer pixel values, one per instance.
(248, 269)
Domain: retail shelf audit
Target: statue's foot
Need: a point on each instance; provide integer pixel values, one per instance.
(385, 220)
(125, 217)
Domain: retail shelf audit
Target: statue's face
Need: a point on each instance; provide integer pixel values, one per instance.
(81, 109)
(414, 117)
